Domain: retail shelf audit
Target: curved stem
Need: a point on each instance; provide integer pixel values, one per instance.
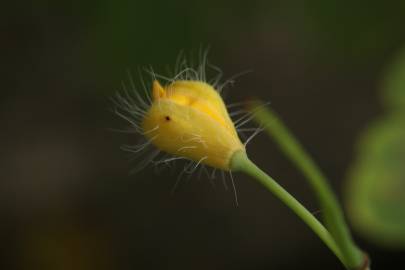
(240, 162)
(332, 212)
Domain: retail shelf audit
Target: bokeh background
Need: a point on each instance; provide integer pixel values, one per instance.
(66, 198)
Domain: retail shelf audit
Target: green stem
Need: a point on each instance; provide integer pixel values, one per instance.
(240, 162)
(331, 210)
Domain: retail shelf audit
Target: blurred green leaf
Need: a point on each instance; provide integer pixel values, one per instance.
(376, 186)
(394, 83)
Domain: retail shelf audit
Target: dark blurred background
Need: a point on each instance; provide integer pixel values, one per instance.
(66, 198)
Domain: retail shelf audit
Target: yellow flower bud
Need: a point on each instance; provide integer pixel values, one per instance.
(189, 119)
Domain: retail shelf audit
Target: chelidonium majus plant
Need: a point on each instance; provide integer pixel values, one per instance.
(185, 117)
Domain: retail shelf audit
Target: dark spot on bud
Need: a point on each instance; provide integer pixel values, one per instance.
(167, 118)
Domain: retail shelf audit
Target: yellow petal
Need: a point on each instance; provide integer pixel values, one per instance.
(157, 90)
(192, 122)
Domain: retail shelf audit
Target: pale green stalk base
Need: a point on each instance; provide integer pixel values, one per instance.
(240, 162)
(332, 212)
